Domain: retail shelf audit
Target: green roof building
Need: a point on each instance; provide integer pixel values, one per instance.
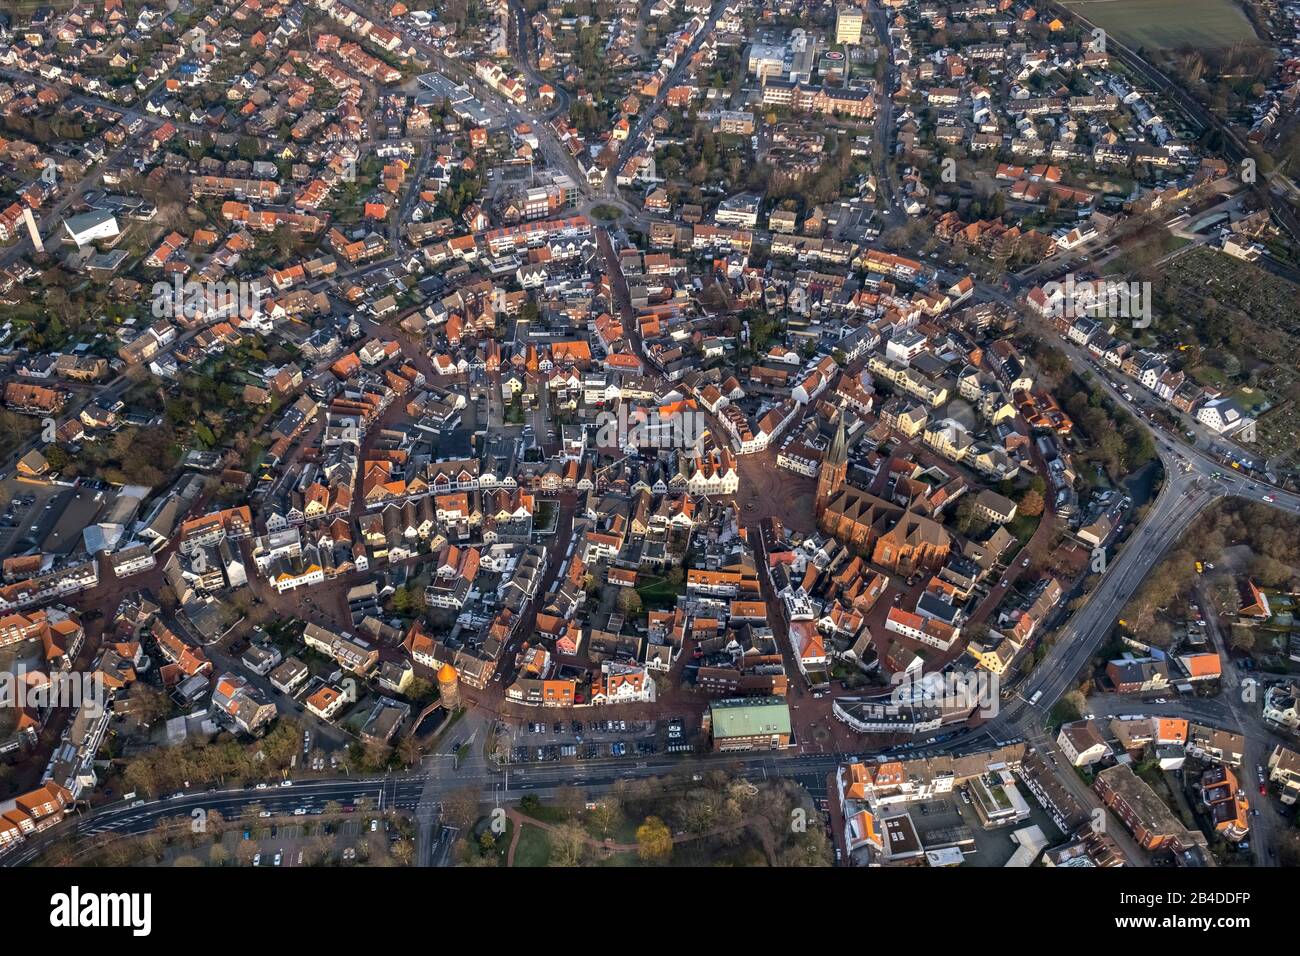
(750, 723)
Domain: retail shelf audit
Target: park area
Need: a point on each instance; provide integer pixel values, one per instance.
(1168, 24)
(706, 819)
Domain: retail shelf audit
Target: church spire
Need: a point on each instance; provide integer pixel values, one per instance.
(838, 453)
(834, 469)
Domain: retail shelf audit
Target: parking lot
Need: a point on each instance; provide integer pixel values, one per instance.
(28, 516)
(540, 741)
(303, 844)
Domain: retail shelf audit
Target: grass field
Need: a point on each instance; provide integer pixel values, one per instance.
(23, 9)
(1168, 24)
(534, 847)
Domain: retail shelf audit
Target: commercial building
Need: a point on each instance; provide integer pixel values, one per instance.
(750, 723)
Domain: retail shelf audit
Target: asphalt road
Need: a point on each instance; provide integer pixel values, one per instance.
(648, 112)
(420, 793)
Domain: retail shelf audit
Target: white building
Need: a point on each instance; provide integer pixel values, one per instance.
(90, 227)
(1223, 415)
(1081, 743)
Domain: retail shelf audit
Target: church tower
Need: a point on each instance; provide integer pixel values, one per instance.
(834, 470)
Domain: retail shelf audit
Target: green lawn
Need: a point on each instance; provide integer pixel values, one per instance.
(1209, 375)
(547, 814)
(1023, 527)
(623, 830)
(1168, 24)
(534, 847)
(656, 592)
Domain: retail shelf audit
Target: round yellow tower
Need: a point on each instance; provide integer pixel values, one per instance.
(448, 687)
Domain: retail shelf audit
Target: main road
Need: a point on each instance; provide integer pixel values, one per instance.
(1194, 480)
(420, 793)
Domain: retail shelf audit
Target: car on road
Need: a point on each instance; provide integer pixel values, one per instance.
(300, 812)
(1270, 499)
(264, 814)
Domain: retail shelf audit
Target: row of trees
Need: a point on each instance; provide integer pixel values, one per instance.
(164, 769)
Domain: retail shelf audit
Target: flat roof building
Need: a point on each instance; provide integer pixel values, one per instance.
(750, 723)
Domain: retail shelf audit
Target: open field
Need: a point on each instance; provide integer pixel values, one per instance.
(1168, 24)
(23, 9)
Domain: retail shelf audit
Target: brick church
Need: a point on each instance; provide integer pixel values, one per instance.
(896, 538)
